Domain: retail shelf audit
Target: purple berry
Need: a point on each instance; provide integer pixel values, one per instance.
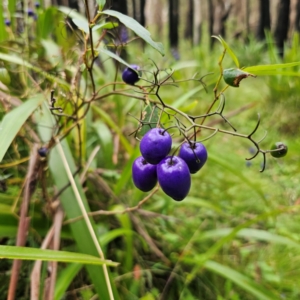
(131, 77)
(7, 22)
(144, 174)
(155, 145)
(43, 152)
(194, 154)
(37, 4)
(174, 177)
(30, 12)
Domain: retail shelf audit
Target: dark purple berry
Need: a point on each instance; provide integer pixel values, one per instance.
(43, 152)
(37, 4)
(155, 145)
(144, 174)
(131, 77)
(30, 12)
(194, 154)
(174, 177)
(7, 22)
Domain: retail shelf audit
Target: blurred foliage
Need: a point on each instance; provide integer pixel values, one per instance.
(236, 236)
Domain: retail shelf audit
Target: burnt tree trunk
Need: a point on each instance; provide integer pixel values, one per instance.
(211, 21)
(142, 19)
(188, 31)
(297, 20)
(218, 13)
(282, 25)
(264, 19)
(139, 11)
(173, 23)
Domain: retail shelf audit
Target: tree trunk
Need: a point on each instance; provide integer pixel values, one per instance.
(211, 21)
(173, 22)
(197, 24)
(297, 20)
(264, 19)
(188, 32)
(218, 14)
(142, 19)
(282, 25)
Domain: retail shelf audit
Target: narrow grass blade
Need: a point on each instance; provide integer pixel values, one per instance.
(108, 120)
(250, 233)
(80, 231)
(229, 50)
(3, 33)
(241, 280)
(266, 68)
(65, 277)
(26, 253)
(240, 175)
(14, 120)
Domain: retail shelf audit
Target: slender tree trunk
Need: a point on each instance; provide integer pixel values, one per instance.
(142, 19)
(188, 32)
(264, 19)
(134, 8)
(211, 20)
(218, 13)
(282, 25)
(247, 17)
(173, 22)
(197, 24)
(297, 20)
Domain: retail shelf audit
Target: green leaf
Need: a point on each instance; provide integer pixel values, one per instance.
(109, 121)
(251, 233)
(101, 3)
(26, 253)
(266, 68)
(241, 280)
(4, 76)
(64, 279)
(233, 76)
(126, 175)
(14, 120)
(137, 28)
(3, 33)
(81, 24)
(114, 56)
(276, 72)
(12, 8)
(228, 49)
(108, 25)
(150, 115)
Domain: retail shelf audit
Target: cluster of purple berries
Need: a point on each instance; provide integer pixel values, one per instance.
(172, 172)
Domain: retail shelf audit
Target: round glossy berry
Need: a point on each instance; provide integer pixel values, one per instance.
(30, 12)
(37, 4)
(280, 153)
(131, 77)
(194, 154)
(174, 177)
(144, 174)
(7, 22)
(155, 145)
(43, 152)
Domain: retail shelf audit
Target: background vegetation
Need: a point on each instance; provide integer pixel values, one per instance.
(234, 237)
